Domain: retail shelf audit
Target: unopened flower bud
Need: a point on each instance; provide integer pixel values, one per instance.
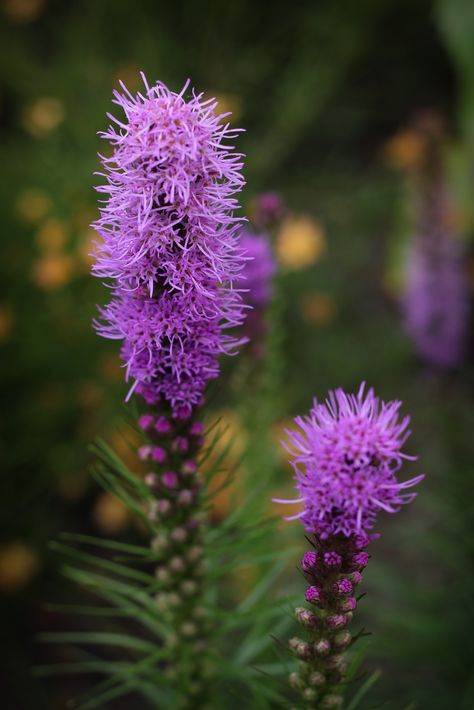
(316, 679)
(162, 575)
(322, 647)
(336, 621)
(360, 559)
(169, 479)
(306, 617)
(174, 600)
(185, 497)
(151, 480)
(361, 541)
(342, 586)
(189, 468)
(313, 595)
(332, 559)
(145, 422)
(144, 453)
(336, 662)
(179, 534)
(310, 694)
(177, 564)
(163, 426)
(158, 454)
(356, 578)
(194, 553)
(180, 444)
(309, 561)
(188, 629)
(163, 506)
(189, 587)
(331, 702)
(348, 604)
(342, 640)
(296, 681)
(159, 543)
(196, 429)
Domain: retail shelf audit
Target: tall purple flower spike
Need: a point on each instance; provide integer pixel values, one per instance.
(169, 250)
(346, 454)
(436, 299)
(169, 242)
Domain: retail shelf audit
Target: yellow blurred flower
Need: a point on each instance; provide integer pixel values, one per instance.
(43, 116)
(300, 242)
(72, 486)
(279, 435)
(86, 247)
(21, 11)
(6, 322)
(110, 515)
(33, 205)
(110, 366)
(318, 308)
(226, 103)
(19, 563)
(130, 75)
(52, 271)
(52, 236)
(229, 439)
(406, 150)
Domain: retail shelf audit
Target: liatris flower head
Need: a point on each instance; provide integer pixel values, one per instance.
(169, 243)
(346, 455)
(260, 267)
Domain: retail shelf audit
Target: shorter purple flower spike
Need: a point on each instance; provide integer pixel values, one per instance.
(269, 209)
(346, 454)
(313, 595)
(259, 269)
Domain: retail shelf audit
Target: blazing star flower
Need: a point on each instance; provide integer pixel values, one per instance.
(257, 274)
(346, 454)
(169, 242)
(436, 299)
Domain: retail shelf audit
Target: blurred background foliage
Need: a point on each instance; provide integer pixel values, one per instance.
(326, 90)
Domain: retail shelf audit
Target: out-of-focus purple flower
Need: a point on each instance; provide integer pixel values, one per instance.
(346, 454)
(436, 299)
(269, 208)
(169, 242)
(259, 269)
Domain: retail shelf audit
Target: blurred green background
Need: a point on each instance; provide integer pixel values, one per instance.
(321, 87)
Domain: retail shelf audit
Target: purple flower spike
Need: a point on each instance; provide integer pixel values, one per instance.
(309, 561)
(169, 243)
(313, 595)
(346, 454)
